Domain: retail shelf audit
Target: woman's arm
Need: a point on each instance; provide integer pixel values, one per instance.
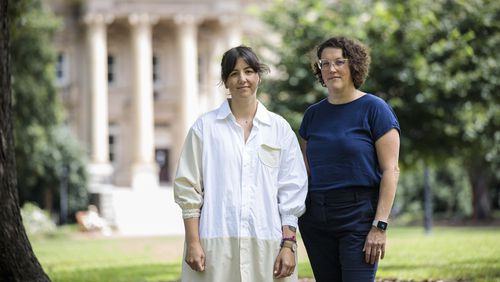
(195, 256)
(292, 191)
(188, 194)
(388, 154)
(387, 148)
(304, 155)
(284, 265)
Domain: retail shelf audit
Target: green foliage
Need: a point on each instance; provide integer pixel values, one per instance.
(434, 61)
(301, 25)
(43, 145)
(450, 193)
(36, 221)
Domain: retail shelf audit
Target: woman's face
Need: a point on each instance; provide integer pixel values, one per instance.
(242, 80)
(335, 70)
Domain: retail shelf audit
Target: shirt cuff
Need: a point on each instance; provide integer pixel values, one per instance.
(290, 220)
(190, 213)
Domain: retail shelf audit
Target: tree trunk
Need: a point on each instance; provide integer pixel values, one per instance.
(17, 260)
(480, 179)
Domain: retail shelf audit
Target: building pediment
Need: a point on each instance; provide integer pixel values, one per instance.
(206, 9)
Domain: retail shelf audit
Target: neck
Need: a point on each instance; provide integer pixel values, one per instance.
(343, 97)
(243, 109)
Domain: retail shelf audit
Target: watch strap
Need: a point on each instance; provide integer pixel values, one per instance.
(292, 245)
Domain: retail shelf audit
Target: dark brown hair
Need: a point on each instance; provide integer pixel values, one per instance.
(246, 53)
(358, 56)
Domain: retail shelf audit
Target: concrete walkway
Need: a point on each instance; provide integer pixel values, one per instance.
(147, 212)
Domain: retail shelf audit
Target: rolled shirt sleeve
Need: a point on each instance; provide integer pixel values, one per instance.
(188, 182)
(292, 182)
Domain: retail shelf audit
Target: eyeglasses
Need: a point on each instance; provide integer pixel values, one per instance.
(324, 64)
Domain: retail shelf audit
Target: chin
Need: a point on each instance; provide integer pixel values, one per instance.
(334, 87)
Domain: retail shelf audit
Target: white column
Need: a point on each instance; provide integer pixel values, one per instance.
(227, 36)
(187, 48)
(144, 168)
(232, 31)
(100, 168)
(218, 93)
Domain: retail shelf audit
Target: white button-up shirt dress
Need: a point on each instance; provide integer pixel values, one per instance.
(243, 193)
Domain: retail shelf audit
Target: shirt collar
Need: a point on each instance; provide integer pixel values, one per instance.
(262, 115)
(224, 110)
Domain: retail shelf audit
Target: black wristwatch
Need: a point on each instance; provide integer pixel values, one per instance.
(381, 225)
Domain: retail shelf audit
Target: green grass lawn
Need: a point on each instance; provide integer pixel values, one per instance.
(452, 253)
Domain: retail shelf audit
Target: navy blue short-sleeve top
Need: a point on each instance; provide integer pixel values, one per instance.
(341, 142)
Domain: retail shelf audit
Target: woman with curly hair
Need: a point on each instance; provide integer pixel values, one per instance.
(351, 151)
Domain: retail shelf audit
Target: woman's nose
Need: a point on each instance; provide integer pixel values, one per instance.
(332, 68)
(241, 78)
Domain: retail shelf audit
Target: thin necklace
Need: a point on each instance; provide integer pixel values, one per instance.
(244, 121)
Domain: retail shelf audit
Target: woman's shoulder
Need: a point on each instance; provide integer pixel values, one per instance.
(279, 120)
(316, 106)
(373, 99)
(205, 119)
(373, 102)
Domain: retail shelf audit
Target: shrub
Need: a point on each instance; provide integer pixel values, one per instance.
(37, 221)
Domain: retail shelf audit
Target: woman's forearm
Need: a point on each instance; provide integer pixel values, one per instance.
(387, 193)
(191, 227)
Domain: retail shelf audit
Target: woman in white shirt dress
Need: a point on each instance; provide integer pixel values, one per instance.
(241, 183)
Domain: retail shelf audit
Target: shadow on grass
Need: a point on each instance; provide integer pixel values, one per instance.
(124, 273)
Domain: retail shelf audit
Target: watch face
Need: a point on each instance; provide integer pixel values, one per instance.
(382, 225)
(289, 244)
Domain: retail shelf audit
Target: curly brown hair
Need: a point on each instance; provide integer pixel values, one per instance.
(358, 56)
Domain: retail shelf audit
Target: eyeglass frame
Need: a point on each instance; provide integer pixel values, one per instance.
(333, 63)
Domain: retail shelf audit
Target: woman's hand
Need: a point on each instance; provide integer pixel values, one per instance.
(284, 265)
(374, 245)
(195, 256)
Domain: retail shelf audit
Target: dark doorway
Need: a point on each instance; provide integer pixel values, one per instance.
(161, 156)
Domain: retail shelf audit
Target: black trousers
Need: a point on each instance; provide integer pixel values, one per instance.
(334, 228)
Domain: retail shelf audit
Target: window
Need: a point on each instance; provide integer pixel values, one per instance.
(60, 66)
(111, 141)
(61, 73)
(156, 68)
(201, 65)
(162, 159)
(111, 68)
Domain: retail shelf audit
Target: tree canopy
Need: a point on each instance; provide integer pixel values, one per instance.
(46, 153)
(434, 61)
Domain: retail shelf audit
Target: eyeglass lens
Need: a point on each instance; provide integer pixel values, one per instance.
(327, 64)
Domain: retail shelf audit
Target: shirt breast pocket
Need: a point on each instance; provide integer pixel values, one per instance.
(269, 155)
